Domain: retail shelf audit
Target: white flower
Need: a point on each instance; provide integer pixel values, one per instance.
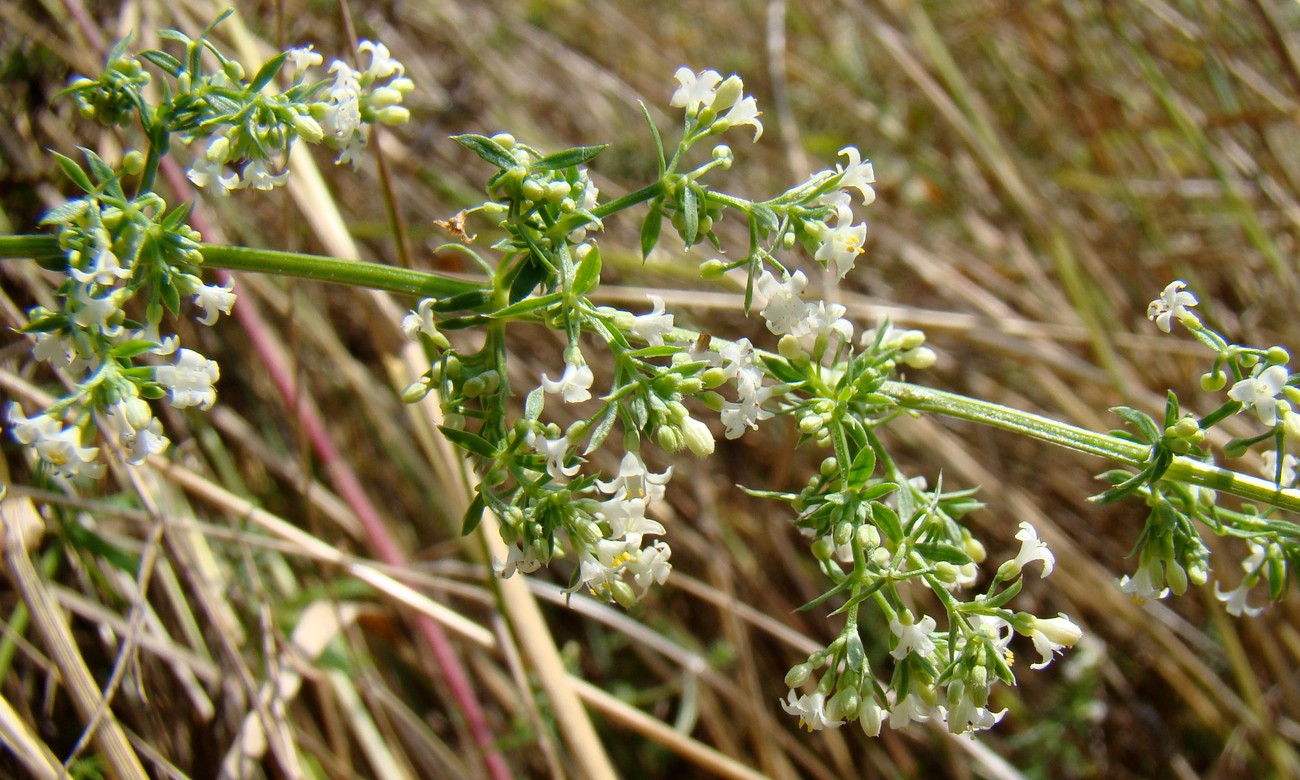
(841, 245)
(1235, 600)
(1032, 549)
(695, 91)
(1261, 392)
(103, 269)
(554, 450)
(736, 416)
(858, 174)
(574, 384)
(302, 58)
(1142, 585)
(1172, 304)
(652, 327)
(94, 313)
(811, 709)
(137, 429)
(651, 565)
(1288, 470)
(258, 177)
(743, 112)
(1051, 635)
(822, 319)
(421, 321)
(968, 715)
(913, 710)
(55, 445)
(382, 64)
(912, 637)
(213, 299)
(190, 380)
(635, 481)
(515, 561)
(785, 309)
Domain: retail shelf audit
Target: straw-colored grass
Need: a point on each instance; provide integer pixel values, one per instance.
(1045, 169)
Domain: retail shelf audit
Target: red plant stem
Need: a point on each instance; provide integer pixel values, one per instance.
(349, 488)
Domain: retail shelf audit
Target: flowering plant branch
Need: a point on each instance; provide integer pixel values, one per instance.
(878, 536)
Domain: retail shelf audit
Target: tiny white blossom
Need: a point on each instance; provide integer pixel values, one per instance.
(652, 327)
(1033, 549)
(912, 637)
(104, 267)
(574, 384)
(213, 299)
(634, 480)
(302, 58)
(516, 560)
(841, 245)
(967, 715)
(821, 319)
(382, 64)
(1142, 585)
(1234, 601)
(1052, 635)
(190, 380)
(811, 709)
(695, 91)
(1288, 470)
(421, 321)
(554, 450)
(651, 565)
(257, 176)
(785, 309)
(743, 112)
(57, 446)
(912, 709)
(1172, 304)
(1261, 392)
(858, 174)
(138, 431)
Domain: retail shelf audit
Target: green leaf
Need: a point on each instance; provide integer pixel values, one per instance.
(486, 148)
(864, 464)
(103, 172)
(531, 273)
(602, 429)
(45, 324)
(534, 403)
(654, 220)
(525, 306)
(466, 301)
(1002, 598)
(163, 61)
(587, 276)
(764, 218)
(827, 596)
(667, 350)
(473, 516)
(66, 212)
(690, 210)
(943, 553)
(578, 155)
(774, 494)
(887, 521)
(876, 492)
(74, 172)
(129, 349)
(267, 72)
(782, 370)
(175, 35)
(1140, 420)
(470, 442)
(152, 391)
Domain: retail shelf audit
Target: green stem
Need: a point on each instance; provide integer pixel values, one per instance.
(1090, 442)
(631, 199)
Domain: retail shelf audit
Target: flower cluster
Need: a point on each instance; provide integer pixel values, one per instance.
(247, 135)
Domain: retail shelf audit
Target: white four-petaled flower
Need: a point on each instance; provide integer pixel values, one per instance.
(1172, 304)
(190, 380)
(574, 385)
(1261, 392)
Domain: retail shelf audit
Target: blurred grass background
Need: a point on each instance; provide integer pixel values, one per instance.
(1045, 168)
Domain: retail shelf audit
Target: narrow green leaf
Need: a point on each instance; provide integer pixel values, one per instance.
(486, 148)
(470, 442)
(1006, 595)
(654, 220)
(946, 553)
(525, 306)
(102, 171)
(578, 155)
(602, 429)
(654, 133)
(267, 72)
(65, 212)
(887, 521)
(473, 516)
(827, 596)
(690, 210)
(587, 276)
(75, 173)
(876, 492)
(163, 61)
(129, 349)
(864, 464)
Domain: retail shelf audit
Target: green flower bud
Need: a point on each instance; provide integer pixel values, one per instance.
(623, 594)
(133, 162)
(712, 269)
(415, 392)
(669, 438)
(532, 189)
(233, 70)
(504, 140)
(1213, 382)
(393, 115)
(829, 466)
(1278, 356)
(699, 439)
(798, 675)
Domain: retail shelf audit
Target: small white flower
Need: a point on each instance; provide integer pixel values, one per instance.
(634, 480)
(1261, 392)
(209, 171)
(258, 177)
(652, 327)
(912, 709)
(382, 64)
(821, 319)
(858, 174)
(1142, 585)
(811, 709)
(1052, 635)
(57, 446)
(785, 308)
(94, 313)
(1033, 549)
(213, 299)
(1172, 304)
(968, 715)
(302, 58)
(841, 245)
(554, 450)
(695, 91)
(137, 429)
(104, 267)
(912, 637)
(743, 112)
(574, 384)
(1235, 600)
(515, 561)
(1288, 470)
(651, 565)
(421, 321)
(736, 416)
(190, 380)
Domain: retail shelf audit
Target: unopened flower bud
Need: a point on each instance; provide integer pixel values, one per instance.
(669, 438)
(699, 439)
(233, 70)
(1213, 381)
(504, 140)
(532, 189)
(308, 129)
(798, 675)
(811, 424)
(712, 269)
(393, 115)
(713, 377)
(789, 347)
(828, 466)
(415, 392)
(385, 96)
(822, 549)
(623, 594)
(133, 162)
(920, 358)
(1278, 356)
(557, 191)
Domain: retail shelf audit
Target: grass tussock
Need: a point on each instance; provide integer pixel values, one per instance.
(1045, 169)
